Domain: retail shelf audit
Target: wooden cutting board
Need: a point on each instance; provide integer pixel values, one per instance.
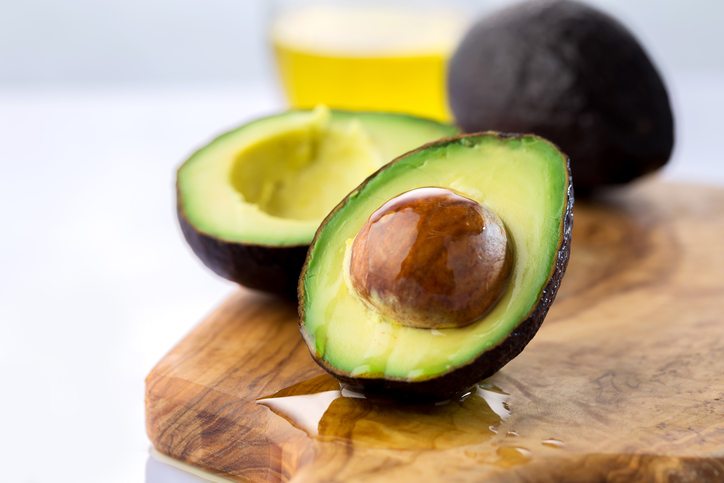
(624, 382)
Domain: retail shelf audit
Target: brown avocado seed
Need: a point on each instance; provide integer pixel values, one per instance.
(431, 258)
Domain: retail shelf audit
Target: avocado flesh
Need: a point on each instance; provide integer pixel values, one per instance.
(272, 181)
(524, 179)
(251, 200)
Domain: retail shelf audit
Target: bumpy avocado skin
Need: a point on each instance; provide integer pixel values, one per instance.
(272, 269)
(572, 74)
(455, 383)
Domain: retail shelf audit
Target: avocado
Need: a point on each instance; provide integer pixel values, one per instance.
(418, 239)
(572, 74)
(250, 201)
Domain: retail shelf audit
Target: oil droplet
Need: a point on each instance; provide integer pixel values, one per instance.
(553, 443)
(304, 404)
(513, 456)
(512, 434)
(346, 391)
(489, 386)
(496, 398)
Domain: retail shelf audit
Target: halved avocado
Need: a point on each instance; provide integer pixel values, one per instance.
(526, 181)
(250, 201)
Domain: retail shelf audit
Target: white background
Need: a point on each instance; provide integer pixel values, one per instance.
(81, 42)
(99, 102)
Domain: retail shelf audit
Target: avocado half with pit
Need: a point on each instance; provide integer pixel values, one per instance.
(439, 268)
(250, 201)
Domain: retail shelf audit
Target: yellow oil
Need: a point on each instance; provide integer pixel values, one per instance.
(366, 60)
(324, 411)
(414, 85)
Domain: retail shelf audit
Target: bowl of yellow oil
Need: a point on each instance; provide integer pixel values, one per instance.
(358, 56)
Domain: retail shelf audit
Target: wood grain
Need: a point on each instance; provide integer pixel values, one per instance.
(624, 382)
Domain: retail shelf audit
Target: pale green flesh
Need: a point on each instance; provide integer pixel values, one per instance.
(272, 181)
(524, 180)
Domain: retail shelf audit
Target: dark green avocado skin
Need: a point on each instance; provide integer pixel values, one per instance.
(573, 75)
(456, 383)
(271, 269)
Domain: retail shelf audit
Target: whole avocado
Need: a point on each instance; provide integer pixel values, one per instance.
(572, 74)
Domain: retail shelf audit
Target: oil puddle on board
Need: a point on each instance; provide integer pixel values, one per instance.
(324, 411)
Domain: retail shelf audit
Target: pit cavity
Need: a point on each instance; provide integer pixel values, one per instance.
(302, 171)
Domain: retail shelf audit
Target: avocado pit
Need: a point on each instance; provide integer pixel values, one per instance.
(431, 258)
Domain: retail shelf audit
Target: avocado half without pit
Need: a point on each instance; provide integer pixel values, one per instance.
(250, 201)
(439, 268)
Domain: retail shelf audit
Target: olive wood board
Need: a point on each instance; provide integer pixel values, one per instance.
(624, 381)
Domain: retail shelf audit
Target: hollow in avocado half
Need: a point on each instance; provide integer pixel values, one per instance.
(440, 267)
(250, 201)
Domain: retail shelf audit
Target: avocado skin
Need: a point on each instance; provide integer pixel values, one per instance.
(572, 74)
(272, 269)
(455, 383)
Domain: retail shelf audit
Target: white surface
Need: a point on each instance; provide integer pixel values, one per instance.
(164, 469)
(97, 283)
